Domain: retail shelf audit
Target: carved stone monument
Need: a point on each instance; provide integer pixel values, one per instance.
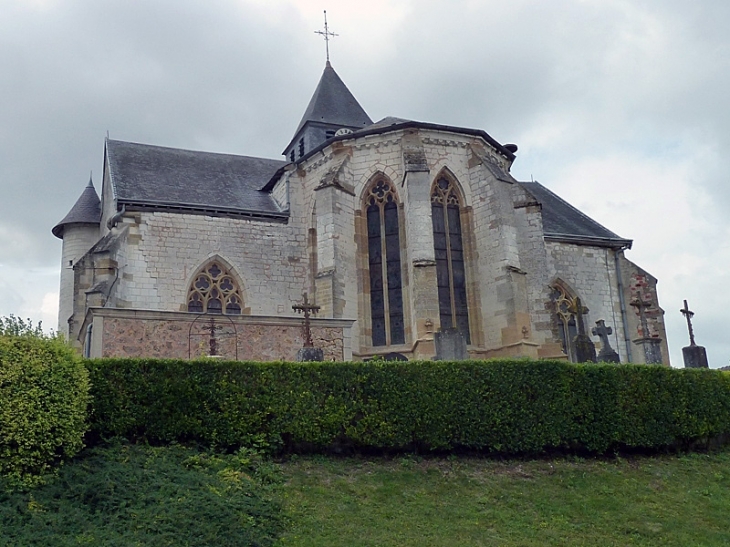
(694, 356)
(607, 353)
(651, 345)
(450, 345)
(308, 352)
(585, 351)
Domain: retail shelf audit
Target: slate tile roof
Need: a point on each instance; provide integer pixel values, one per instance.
(86, 210)
(333, 103)
(156, 176)
(563, 221)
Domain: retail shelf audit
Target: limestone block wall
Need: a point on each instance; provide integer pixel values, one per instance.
(591, 273)
(77, 240)
(165, 250)
(534, 262)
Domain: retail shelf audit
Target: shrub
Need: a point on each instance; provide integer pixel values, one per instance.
(44, 394)
(505, 406)
(140, 495)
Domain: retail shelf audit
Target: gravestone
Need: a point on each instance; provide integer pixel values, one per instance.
(651, 345)
(585, 351)
(607, 353)
(450, 345)
(694, 356)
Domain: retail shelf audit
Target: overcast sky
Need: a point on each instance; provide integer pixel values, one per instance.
(620, 107)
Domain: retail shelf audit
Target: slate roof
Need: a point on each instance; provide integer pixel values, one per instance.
(86, 210)
(564, 222)
(333, 103)
(146, 176)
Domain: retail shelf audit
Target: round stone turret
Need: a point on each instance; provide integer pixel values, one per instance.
(79, 231)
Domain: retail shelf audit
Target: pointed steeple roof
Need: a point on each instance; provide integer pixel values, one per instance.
(86, 210)
(333, 103)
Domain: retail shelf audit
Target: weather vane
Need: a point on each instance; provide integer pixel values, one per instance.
(326, 33)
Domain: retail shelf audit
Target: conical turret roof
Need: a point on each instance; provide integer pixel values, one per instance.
(86, 210)
(333, 103)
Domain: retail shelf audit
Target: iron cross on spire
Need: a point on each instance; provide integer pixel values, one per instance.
(326, 33)
(307, 308)
(689, 314)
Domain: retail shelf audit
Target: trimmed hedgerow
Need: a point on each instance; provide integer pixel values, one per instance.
(44, 394)
(505, 406)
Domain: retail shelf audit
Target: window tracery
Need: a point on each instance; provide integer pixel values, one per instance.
(384, 264)
(565, 309)
(449, 252)
(214, 290)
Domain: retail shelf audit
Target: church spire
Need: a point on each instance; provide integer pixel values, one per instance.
(332, 107)
(86, 210)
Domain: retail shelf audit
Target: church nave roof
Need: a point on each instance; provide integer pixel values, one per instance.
(147, 176)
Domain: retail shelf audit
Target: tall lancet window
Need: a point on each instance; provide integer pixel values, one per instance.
(386, 292)
(214, 290)
(565, 309)
(447, 242)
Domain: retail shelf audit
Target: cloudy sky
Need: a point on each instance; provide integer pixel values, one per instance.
(619, 106)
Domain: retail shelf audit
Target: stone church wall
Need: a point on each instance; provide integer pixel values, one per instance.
(165, 250)
(590, 272)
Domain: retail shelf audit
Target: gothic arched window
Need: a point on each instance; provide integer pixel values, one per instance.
(386, 293)
(214, 290)
(449, 250)
(565, 309)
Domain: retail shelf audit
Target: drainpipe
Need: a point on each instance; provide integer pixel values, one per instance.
(87, 342)
(622, 303)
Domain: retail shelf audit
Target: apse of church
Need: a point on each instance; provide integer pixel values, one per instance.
(396, 229)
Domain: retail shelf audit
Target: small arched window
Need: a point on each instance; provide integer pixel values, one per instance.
(214, 290)
(565, 309)
(384, 265)
(449, 251)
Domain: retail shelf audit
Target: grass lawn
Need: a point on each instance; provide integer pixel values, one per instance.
(667, 500)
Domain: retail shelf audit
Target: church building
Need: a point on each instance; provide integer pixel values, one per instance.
(399, 231)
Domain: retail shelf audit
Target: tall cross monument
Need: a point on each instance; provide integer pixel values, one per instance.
(694, 356)
(651, 345)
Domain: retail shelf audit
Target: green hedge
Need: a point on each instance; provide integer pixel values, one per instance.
(502, 406)
(44, 394)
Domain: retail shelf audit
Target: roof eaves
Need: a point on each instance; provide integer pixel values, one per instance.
(409, 125)
(197, 209)
(614, 243)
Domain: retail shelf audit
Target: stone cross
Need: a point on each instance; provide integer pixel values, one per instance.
(212, 342)
(585, 351)
(607, 353)
(326, 33)
(307, 308)
(689, 314)
(641, 304)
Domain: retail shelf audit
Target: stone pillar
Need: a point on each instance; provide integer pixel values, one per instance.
(695, 357)
(419, 236)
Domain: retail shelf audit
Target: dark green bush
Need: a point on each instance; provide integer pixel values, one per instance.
(502, 406)
(44, 394)
(122, 495)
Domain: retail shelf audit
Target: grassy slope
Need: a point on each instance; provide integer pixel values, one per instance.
(673, 500)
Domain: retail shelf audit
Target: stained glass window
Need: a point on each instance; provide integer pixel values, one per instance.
(214, 290)
(384, 266)
(449, 250)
